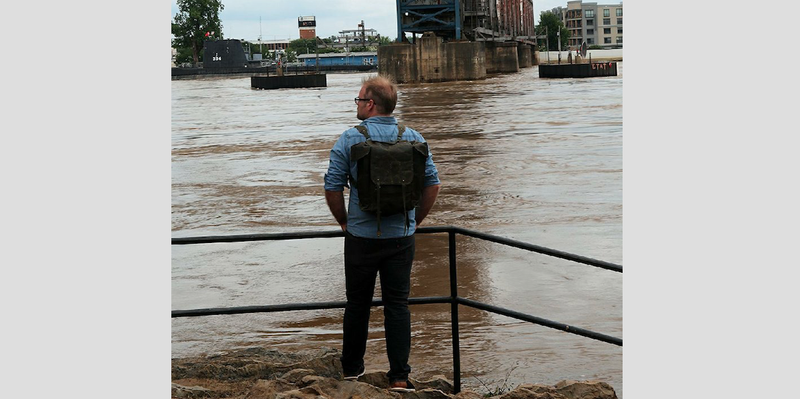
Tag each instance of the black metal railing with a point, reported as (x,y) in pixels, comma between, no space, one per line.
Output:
(454,300)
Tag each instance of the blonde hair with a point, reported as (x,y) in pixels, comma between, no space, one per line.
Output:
(383,91)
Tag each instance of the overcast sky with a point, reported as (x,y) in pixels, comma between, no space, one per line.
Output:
(240,18)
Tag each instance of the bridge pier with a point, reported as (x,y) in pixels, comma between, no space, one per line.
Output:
(501,57)
(524,55)
(431,60)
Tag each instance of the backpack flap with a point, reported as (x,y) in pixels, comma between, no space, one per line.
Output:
(358,151)
(392,164)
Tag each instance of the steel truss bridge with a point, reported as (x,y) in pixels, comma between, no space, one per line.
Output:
(473,20)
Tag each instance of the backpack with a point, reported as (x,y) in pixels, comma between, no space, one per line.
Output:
(390,175)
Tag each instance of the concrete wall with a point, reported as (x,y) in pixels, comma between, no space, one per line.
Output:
(430,60)
(501,57)
(524,56)
(399,61)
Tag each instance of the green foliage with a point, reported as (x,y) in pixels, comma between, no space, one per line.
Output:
(193,20)
(308,46)
(550,24)
(302,46)
(184,55)
(384,40)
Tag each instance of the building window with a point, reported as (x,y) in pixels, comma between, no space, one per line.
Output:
(589,22)
(619,39)
(606,21)
(589,41)
(619,12)
(606,12)
(606,31)
(589,13)
(619,21)
(590,31)
(607,40)
(619,31)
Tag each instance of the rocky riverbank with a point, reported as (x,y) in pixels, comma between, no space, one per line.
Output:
(259,373)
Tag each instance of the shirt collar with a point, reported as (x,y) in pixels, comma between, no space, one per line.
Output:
(384,120)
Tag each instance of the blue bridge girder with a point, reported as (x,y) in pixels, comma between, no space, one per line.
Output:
(420,16)
(467,19)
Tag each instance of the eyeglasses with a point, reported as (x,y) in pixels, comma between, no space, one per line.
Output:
(361,99)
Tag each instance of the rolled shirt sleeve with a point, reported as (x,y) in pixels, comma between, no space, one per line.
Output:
(338,166)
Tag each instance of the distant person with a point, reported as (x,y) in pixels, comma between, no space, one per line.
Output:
(378,238)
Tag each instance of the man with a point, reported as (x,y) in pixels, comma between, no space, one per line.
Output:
(376,244)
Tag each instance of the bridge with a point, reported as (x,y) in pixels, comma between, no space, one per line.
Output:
(473,20)
(459,40)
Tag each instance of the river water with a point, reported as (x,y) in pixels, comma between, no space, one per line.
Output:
(530,159)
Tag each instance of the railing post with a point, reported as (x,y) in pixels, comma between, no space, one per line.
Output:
(454,312)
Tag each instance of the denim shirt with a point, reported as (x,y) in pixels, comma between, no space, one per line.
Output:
(360,223)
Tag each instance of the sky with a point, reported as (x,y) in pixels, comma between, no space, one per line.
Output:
(278,19)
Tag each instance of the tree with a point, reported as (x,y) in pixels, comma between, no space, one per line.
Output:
(194,19)
(550,24)
(384,41)
(302,46)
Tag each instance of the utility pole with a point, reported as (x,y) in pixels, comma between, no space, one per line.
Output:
(547,43)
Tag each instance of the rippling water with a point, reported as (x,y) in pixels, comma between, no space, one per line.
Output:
(530,159)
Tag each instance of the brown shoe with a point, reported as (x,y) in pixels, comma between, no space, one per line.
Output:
(401,386)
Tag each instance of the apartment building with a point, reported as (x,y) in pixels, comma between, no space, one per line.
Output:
(595,24)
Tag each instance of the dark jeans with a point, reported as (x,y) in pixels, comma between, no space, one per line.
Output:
(364,258)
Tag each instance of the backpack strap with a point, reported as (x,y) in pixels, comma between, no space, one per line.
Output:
(400,130)
(363,130)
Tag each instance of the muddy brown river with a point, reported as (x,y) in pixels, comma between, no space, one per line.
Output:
(530,159)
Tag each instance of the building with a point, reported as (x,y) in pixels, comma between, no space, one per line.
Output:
(275,46)
(595,24)
(307,26)
(360,58)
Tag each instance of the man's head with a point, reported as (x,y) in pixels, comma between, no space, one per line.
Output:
(378,97)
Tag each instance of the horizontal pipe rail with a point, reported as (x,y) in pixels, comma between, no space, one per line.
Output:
(256,237)
(539,249)
(538,320)
(296,306)
(421,230)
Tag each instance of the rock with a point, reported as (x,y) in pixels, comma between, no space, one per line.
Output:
(295,376)
(260,373)
(523,393)
(425,394)
(438,382)
(585,390)
(268,389)
(380,380)
(179,391)
(299,394)
(538,387)
(376,378)
(468,395)
(310,379)
(335,389)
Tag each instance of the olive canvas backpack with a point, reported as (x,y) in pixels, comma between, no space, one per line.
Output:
(390,174)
